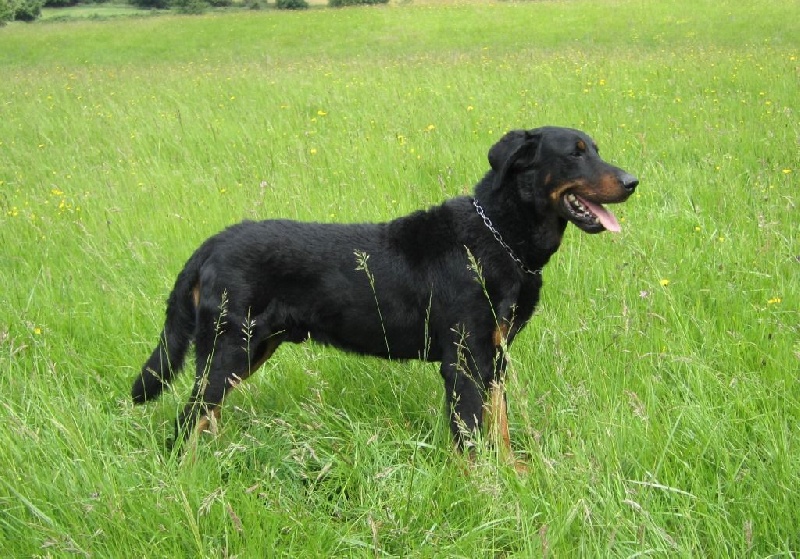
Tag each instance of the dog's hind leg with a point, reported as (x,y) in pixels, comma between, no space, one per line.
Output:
(223,361)
(212,383)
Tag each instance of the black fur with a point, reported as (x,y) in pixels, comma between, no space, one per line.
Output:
(406,289)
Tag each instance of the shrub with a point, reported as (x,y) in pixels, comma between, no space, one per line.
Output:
(291,4)
(193,7)
(7,9)
(342,3)
(28,10)
(157,4)
(59,3)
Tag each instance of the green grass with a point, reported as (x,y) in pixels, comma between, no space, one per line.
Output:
(656,393)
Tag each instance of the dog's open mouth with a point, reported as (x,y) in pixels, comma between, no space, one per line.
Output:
(589,216)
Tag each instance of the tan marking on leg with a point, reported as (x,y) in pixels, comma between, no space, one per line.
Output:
(196,295)
(205,424)
(209,422)
(500,334)
(497,421)
(496,418)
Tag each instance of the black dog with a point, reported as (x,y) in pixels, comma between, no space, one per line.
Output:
(453,284)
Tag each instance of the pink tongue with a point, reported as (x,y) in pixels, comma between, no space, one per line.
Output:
(605,217)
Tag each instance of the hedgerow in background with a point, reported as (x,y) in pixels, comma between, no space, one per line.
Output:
(20,10)
(343,3)
(151,4)
(191,7)
(291,4)
(7,8)
(61,3)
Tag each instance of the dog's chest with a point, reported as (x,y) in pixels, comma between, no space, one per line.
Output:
(527,299)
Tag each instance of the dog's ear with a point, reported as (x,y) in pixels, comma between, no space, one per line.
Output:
(515,151)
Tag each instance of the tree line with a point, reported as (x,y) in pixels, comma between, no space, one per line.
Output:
(30,10)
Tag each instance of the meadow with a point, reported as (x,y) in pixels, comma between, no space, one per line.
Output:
(655,395)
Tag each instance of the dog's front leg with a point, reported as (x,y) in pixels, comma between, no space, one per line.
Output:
(497,431)
(474,379)
(496,416)
(464,401)
(467,373)
(497,409)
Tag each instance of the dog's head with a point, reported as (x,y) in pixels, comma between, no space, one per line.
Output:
(559,170)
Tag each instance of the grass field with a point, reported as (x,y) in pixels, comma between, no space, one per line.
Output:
(656,393)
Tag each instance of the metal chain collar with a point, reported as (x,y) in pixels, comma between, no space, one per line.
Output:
(490,226)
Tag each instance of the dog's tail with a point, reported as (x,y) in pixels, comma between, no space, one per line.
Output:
(179,328)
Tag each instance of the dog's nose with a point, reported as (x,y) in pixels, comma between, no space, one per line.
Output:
(629,182)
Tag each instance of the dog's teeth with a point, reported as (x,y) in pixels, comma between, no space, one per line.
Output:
(575,202)
(580,209)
